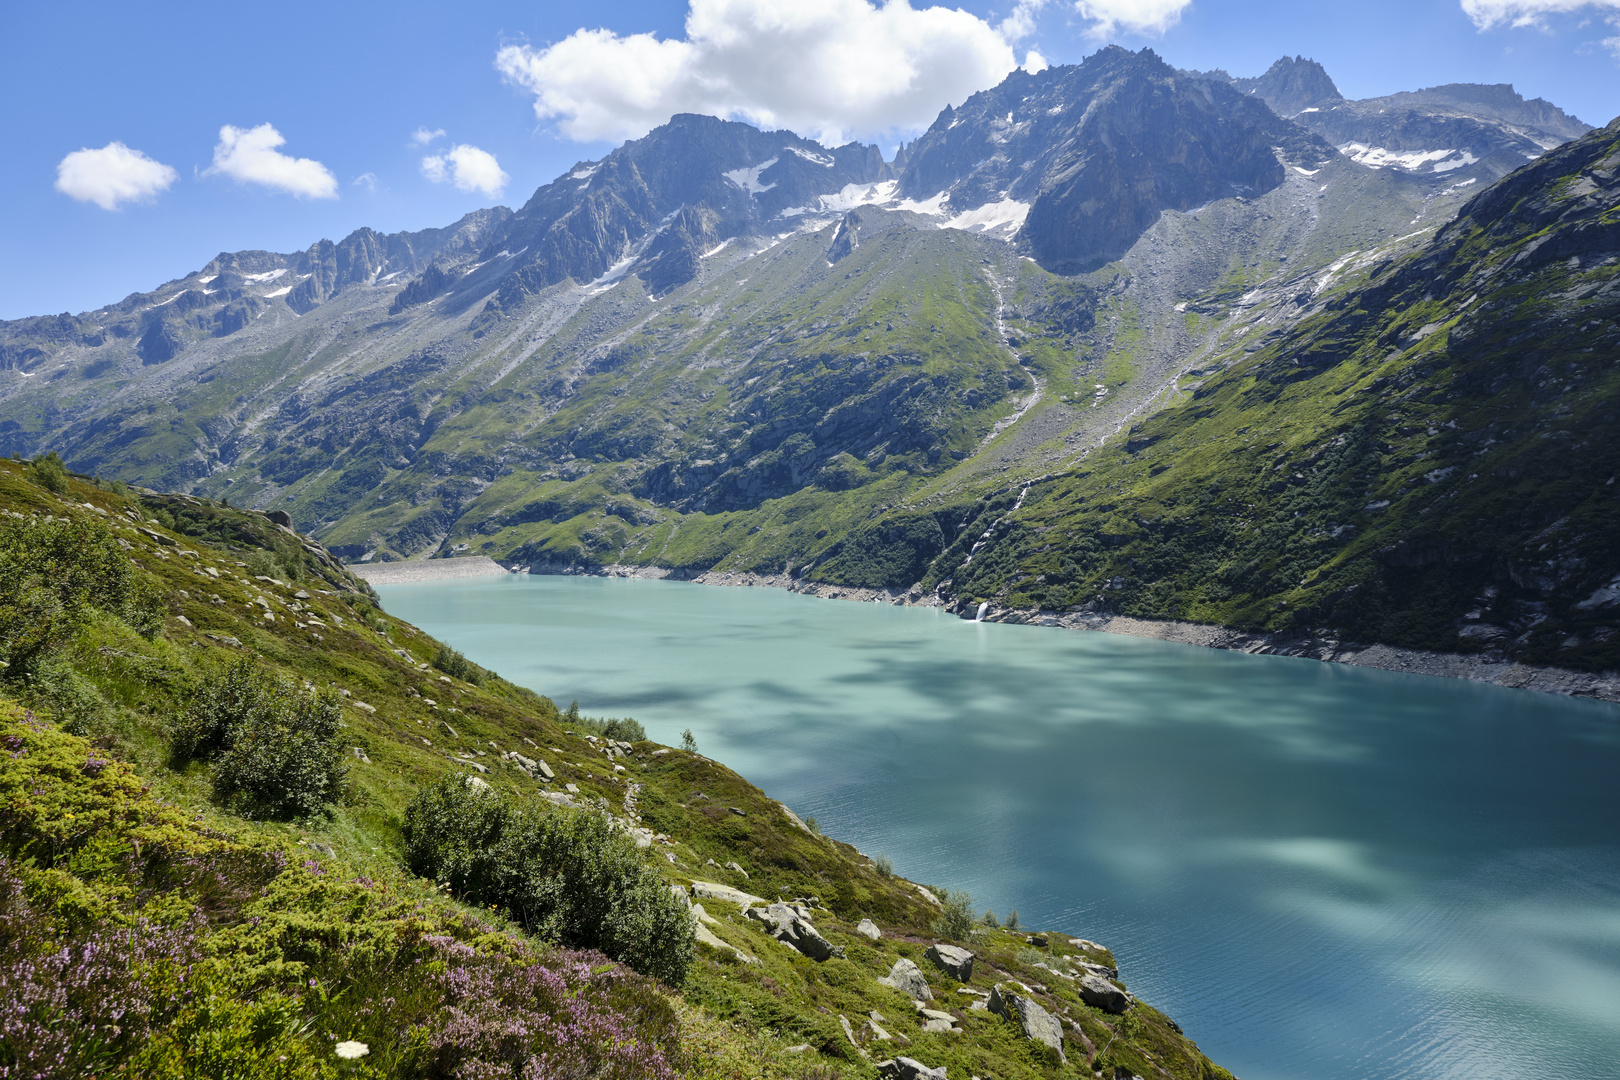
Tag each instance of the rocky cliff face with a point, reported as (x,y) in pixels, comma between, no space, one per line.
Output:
(1093,153)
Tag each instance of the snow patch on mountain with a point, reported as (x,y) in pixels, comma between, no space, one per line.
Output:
(1001,218)
(748,179)
(814,158)
(1379,157)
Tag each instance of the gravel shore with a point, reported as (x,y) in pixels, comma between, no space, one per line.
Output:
(399,573)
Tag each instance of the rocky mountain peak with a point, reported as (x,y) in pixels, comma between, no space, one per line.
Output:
(666,198)
(1087,156)
(1292,85)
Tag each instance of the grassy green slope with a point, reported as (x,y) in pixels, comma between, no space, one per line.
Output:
(1428,460)
(294,935)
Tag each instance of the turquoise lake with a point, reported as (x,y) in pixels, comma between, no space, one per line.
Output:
(1318,871)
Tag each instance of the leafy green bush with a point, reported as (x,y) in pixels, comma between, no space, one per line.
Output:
(52,572)
(568,876)
(274,743)
(452,663)
(274,564)
(622,728)
(49,473)
(956,919)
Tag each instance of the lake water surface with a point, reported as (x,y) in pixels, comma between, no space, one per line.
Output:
(1321,872)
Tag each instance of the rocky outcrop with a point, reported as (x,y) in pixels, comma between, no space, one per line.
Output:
(713,890)
(953,960)
(1036,1023)
(846,239)
(791,926)
(908,978)
(1102,994)
(909,1069)
(869,929)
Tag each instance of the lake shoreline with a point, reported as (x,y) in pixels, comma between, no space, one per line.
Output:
(1604,686)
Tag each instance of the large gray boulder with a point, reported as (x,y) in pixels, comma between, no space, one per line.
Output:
(787,925)
(953,960)
(907,978)
(1035,1022)
(909,1069)
(1102,994)
(713,890)
(869,929)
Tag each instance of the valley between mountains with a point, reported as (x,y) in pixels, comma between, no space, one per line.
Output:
(1113,341)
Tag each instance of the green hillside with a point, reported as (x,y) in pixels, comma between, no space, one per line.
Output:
(221,757)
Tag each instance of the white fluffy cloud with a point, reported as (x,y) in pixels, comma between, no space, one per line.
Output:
(112,175)
(1489,13)
(422,136)
(249,155)
(468,168)
(824,68)
(1021,23)
(1132,16)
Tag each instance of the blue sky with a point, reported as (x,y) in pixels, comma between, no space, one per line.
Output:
(346,86)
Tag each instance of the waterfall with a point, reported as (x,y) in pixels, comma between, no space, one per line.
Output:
(983,607)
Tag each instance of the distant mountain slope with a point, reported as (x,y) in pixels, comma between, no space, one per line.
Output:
(1428,460)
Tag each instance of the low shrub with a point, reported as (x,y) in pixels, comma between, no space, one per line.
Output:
(274,743)
(273,564)
(52,573)
(75,1003)
(567,876)
(956,920)
(49,473)
(566,1016)
(622,728)
(454,664)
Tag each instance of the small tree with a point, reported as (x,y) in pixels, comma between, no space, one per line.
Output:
(956,920)
(274,743)
(49,473)
(688,743)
